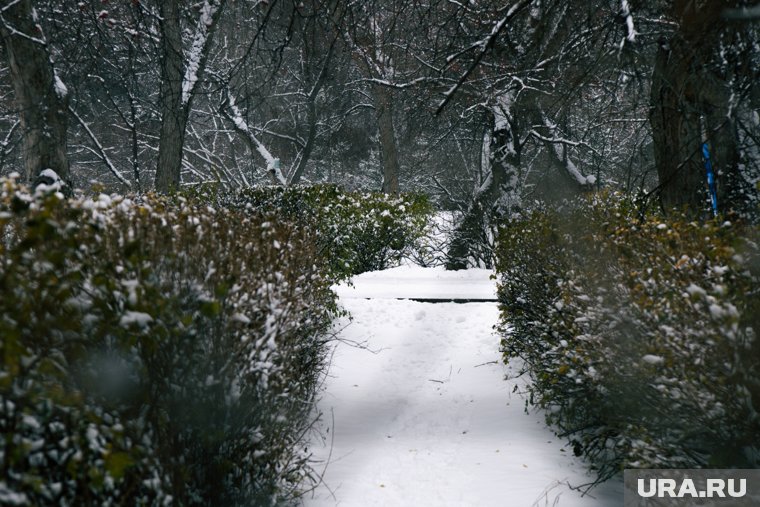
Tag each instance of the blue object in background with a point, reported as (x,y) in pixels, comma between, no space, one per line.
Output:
(710,179)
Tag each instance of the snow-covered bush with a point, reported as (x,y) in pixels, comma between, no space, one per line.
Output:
(357,231)
(639,332)
(155,351)
(432,249)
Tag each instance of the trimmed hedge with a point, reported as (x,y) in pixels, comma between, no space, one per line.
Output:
(356,231)
(639,333)
(155,351)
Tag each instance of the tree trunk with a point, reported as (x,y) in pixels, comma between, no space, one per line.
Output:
(311,137)
(569,181)
(41,97)
(388,150)
(675,120)
(690,100)
(173,113)
(179,81)
(499,195)
(723,141)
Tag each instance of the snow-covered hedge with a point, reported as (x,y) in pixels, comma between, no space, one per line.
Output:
(155,351)
(640,333)
(357,231)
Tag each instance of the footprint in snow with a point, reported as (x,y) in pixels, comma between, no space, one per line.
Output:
(419,315)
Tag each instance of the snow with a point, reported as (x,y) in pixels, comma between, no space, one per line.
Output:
(653,359)
(30,422)
(720,270)
(55,182)
(695,291)
(571,167)
(139,318)
(10,497)
(408,282)
(101,150)
(417,411)
(198,49)
(59,87)
(502,111)
(239,317)
(51,174)
(273,163)
(625,11)
(558,145)
(273,167)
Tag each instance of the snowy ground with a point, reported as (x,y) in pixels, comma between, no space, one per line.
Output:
(414,282)
(422,416)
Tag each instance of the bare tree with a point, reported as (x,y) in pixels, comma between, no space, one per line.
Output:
(40,96)
(372,32)
(181,72)
(513,58)
(696,88)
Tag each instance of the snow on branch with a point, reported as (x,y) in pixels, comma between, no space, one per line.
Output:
(99,149)
(234,114)
(199,48)
(12,30)
(562,140)
(625,11)
(5,144)
(502,110)
(60,89)
(400,86)
(559,149)
(561,153)
(485,45)
(9,5)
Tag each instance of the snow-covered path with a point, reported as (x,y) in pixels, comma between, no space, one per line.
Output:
(422,416)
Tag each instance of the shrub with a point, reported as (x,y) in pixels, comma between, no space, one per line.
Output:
(155,350)
(356,231)
(432,249)
(639,332)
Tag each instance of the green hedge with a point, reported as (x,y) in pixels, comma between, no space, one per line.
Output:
(155,350)
(639,332)
(356,231)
